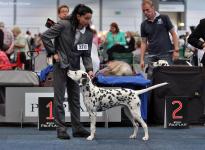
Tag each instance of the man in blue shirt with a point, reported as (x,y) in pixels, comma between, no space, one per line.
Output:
(155,34)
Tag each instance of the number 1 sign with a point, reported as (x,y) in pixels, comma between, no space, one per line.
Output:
(176,112)
(46,119)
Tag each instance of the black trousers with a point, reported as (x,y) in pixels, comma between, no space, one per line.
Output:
(61,83)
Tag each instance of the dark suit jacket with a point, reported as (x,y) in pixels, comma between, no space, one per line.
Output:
(198,33)
(64,35)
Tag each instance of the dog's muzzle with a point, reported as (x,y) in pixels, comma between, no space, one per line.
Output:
(82,82)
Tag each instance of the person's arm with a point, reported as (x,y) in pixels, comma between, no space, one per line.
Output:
(109,40)
(50,34)
(175,40)
(122,39)
(175,43)
(143,45)
(170,28)
(19,45)
(142,51)
(194,38)
(10,50)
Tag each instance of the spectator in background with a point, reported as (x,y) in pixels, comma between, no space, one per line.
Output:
(114,36)
(8,40)
(38,42)
(137,51)
(155,35)
(20,47)
(1,39)
(30,40)
(4,61)
(63,11)
(197,38)
(130,41)
(115,40)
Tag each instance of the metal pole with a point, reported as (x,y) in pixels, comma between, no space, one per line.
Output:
(15,10)
(57,5)
(100,14)
(185,15)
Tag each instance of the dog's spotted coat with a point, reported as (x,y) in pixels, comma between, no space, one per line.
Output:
(99,99)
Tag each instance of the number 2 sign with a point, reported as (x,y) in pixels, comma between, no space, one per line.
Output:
(176,112)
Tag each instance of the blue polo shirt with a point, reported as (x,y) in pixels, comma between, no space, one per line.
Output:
(157,34)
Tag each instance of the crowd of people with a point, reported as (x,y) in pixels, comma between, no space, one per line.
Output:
(15,46)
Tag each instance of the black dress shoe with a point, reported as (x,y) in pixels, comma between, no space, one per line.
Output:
(81,133)
(63,135)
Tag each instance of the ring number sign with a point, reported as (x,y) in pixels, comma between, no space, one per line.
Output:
(176,112)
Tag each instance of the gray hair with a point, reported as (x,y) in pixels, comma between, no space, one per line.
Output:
(149,2)
(1,24)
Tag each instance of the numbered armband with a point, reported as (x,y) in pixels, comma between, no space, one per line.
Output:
(82,47)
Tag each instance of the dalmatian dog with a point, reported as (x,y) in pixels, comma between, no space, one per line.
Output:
(99,99)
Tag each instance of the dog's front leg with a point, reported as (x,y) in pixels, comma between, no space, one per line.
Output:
(92,125)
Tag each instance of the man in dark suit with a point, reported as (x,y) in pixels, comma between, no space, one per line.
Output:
(199,32)
(197,38)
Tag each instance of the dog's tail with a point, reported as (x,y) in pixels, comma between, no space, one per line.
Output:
(151,88)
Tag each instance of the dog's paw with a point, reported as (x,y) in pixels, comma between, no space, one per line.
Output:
(90,138)
(133,136)
(145,138)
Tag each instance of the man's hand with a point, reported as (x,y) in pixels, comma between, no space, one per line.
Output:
(56,57)
(142,65)
(175,55)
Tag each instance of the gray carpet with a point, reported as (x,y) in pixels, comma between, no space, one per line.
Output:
(113,138)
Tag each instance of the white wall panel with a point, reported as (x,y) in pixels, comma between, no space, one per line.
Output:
(127,14)
(33,13)
(6,12)
(195,12)
(34,16)
(173,17)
